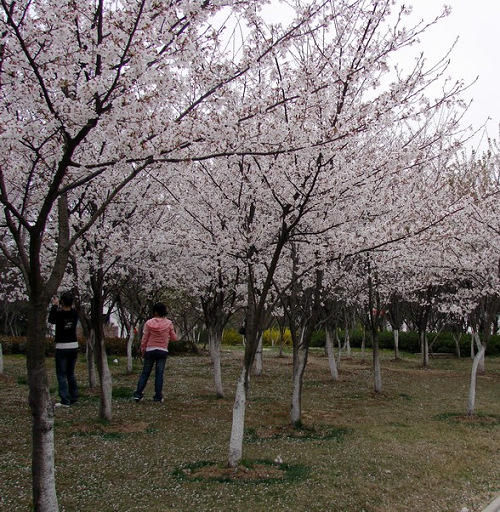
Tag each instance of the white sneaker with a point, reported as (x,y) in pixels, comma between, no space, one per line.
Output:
(60,405)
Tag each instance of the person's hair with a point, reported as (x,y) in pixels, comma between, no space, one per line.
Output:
(67,299)
(160,309)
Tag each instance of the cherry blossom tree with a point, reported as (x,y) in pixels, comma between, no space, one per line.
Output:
(478,257)
(302,307)
(304,130)
(132,307)
(290,196)
(218,306)
(99,93)
(104,258)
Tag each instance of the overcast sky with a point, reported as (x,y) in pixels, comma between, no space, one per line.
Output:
(476,24)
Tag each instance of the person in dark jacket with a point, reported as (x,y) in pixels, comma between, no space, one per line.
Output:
(65,318)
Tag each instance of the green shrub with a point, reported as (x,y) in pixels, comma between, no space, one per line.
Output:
(408,342)
(232,337)
(116,346)
(318,339)
(182,347)
(271,337)
(494,346)
(13,344)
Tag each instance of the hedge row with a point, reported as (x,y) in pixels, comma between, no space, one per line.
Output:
(408,342)
(442,342)
(114,346)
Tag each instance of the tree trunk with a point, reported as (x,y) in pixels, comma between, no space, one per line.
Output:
(130,343)
(337,337)
(347,343)
(479,346)
(42,410)
(88,332)
(377,374)
(101,359)
(363,346)
(481,368)
(456,338)
(214,343)
(282,340)
(238,425)
(299,366)
(396,344)
(106,382)
(424,345)
(258,357)
(471,403)
(253,318)
(1,359)
(330,352)
(90,355)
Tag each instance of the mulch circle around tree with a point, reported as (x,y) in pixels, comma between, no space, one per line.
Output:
(480,419)
(305,433)
(261,471)
(216,472)
(477,420)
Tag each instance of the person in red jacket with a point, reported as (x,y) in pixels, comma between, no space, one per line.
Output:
(158,332)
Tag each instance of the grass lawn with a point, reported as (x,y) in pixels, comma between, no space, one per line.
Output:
(407,449)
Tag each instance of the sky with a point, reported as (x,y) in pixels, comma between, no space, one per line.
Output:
(476,24)
(474,57)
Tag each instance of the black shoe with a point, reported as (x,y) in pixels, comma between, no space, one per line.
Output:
(160,400)
(137,398)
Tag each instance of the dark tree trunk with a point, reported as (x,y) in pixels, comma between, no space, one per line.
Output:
(42,409)
(101,359)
